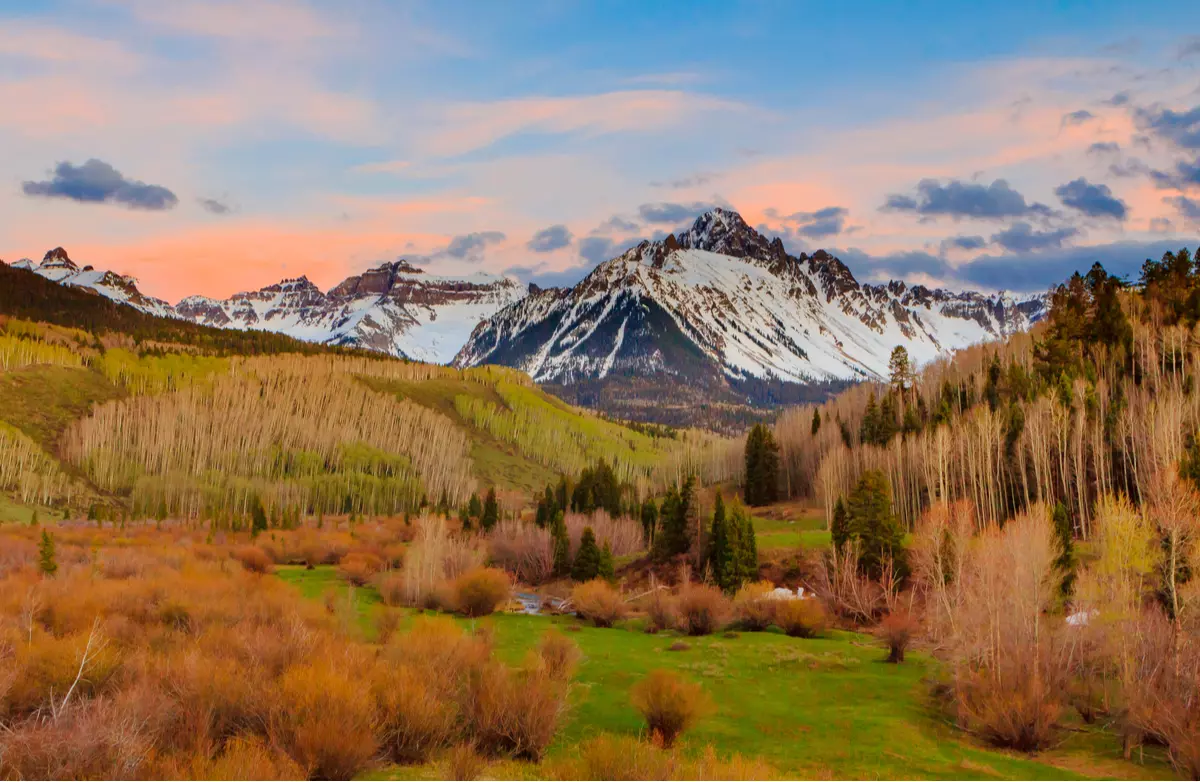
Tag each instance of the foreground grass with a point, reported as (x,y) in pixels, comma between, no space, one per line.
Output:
(816,708)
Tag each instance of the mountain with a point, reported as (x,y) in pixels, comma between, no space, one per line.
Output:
(58,267)
(721,306)
(394,308)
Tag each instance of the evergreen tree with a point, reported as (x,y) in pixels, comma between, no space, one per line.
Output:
(721,554)
(887,420)
(900,369)
(868,431)
(33,520)
(674,536)
(839,527)
(816,421)
(47,563)
(491,511)
(587,559)
(562,546)
(762,467)
(562,494)
(258,518)
(991,388)
(1065,562)
(744,562)
(474,507)
(872,523)
(607,568)
(649,520)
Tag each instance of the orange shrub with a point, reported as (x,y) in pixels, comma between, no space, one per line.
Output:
(463,763)
(661,610)
(896,631)
(559,655)
(247,757)
(753,607)
(323,718)
(414,719)
(253,559)
(597,601)
(703,609)
(358,567)
(481,591)
(390,584)
(669,703)
(800,618)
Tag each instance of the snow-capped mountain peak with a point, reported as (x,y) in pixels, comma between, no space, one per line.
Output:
(57,266)
(719,302)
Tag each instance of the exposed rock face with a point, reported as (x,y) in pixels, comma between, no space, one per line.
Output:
(58,266)
(721,303)
(394,308)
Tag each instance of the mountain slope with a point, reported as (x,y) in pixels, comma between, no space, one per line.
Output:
(720,303)
(56,266)
(394,308)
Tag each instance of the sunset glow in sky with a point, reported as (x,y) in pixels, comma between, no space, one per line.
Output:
(210,147)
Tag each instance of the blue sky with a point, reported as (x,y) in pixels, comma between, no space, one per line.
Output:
(321,138)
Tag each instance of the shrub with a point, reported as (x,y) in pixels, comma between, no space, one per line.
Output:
(525,550)
(800,618)
(703,609)
(480,591)
(462,763)
(253,559)
(896,631)
(323,719)
(413,718)
(669,704)
(247,757)
(391,588)
(598,602)
(559,655)
(386,625)
(624,757)
(514,712)
(661,610)
(358,567)
(753,606)
(679,646)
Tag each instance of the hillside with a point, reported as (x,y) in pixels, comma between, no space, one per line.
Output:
(108,410)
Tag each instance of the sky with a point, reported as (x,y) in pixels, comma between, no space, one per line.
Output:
(209,147)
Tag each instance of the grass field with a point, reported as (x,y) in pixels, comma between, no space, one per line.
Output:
(817,708)
(806,530)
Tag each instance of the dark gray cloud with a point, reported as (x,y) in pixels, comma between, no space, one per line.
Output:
(1181,128)
(1092,200)
(473,244)
(672,213)
(959,199)
(1024,238)
(98,182)
(1189,48)
(550,239)
(1077,117)
(964,243)
(829,221)
(1120,99)
(597,249)
(1131,167)
(1030,272)
(1104,148)
(1185,176)
(214,206)
(616,224)
(1189,208)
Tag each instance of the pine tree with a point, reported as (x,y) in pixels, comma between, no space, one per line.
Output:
(587,559)
(868,431)
(47,563)
(674,536)
(762,467)
(721,554)
(1065,562)
(491,511)
(474,507)
(900,369)
(871,521)
(816,421)
(746,547)
(258,518)
(839,527)
(649,520)
(562,546)
(607,569)
(33,521)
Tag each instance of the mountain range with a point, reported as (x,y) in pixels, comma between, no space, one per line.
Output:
(717,312)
